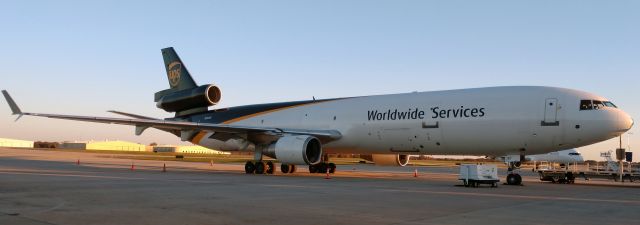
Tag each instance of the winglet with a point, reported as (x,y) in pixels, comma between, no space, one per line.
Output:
(12,104)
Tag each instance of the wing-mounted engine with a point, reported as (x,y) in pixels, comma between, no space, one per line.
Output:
(296,150)
(187,101)
(388,159)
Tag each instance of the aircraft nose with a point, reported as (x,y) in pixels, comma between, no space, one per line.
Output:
(626,122)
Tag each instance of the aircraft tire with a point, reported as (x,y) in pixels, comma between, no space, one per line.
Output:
(249,167)
(285,168)
(518,179)
(313,168)
(260,167)
(292,168)
(270,168)
(514,179)
(332,168)
(322,168)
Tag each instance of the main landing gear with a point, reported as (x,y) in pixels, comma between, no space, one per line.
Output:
(286,168)
(322,167)
(259,167)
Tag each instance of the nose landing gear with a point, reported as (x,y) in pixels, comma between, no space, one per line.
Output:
(514,178)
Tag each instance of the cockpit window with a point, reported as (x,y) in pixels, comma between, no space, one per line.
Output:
(597,105)
(574,153)
(610,104)
(586,105)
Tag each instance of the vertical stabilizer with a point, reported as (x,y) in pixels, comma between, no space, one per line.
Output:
(177,73)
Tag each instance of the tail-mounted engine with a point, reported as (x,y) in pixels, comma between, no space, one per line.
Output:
(189,99)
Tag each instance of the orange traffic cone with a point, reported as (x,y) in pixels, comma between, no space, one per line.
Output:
(327,177)
(164,168)
(78,162)
(415,173)
(133,167)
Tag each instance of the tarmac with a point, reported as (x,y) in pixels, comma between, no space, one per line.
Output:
(51,187)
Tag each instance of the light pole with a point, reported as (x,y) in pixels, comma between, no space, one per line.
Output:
(629,140)
(620,159)
(629,149)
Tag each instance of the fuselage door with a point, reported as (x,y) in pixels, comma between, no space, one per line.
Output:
(433,131)
(551,112)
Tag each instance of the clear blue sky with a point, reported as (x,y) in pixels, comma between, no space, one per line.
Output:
(86,57)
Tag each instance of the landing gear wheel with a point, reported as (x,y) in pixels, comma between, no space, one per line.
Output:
(285,168)
(322,167)
(260,167)
(466,183)
(514,179)
(313,168)
(270,168)
(249,167)
(292,168)
(332,168)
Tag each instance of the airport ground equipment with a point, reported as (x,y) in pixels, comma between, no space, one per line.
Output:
(472,175)
(568,174)
(569,177)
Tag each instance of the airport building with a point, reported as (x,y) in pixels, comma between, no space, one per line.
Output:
(194,149)
(104,145)
(15,143)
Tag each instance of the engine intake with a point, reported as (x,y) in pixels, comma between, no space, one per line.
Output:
(296,150)
(203,96)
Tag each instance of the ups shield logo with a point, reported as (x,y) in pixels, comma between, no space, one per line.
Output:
(174,70)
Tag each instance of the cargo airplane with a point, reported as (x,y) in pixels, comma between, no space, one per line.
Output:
(493,121)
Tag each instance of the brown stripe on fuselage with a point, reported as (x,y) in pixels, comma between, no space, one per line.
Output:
(273,110)
(196,140)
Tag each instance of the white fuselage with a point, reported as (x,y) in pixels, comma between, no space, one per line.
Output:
(483,121)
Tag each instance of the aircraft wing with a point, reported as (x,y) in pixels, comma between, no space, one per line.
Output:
(185,128)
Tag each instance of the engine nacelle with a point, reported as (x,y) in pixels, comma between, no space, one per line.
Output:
(389,160)
(203,96)
(296,150)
